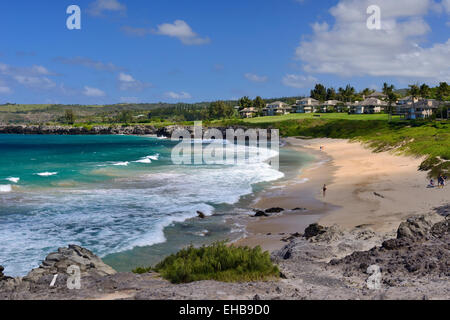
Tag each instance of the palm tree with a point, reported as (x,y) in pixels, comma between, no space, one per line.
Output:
(414,92)
(441,92)
(388,90)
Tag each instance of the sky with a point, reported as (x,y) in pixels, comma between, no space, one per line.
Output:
(203,50)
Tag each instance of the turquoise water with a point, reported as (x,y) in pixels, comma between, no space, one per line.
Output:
(111,194)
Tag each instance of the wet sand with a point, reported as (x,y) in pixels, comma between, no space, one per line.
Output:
(375,190)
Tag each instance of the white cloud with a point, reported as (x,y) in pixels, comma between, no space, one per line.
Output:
(255,78)
(93,92)
(98,7)
(127,82)
(349,48)
(40,70)
(126,78)
(175,95)
(299,81)
(446,4)
(5,90)
(182,31)
(35,82)
(32,77)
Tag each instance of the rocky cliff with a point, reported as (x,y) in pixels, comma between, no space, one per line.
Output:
(325,263)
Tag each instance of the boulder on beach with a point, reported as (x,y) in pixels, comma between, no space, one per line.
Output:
(314,230)
(58,263)
(274,210)
(261,214)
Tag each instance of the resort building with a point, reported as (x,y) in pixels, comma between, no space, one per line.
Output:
(276,108)
(307,105)
(327,105)
(419,110)
(407,101)
(248,112)
(377,95)
(368,106)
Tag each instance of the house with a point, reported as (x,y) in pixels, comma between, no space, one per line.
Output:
(325,107)
(403,102)
(248,112)
(420,110)
(407,100)
(368,106)
(306,105)
(377,95)
(276,108)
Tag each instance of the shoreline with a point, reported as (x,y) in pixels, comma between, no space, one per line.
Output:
(365,189)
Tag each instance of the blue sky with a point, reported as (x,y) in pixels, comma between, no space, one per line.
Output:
(166,50)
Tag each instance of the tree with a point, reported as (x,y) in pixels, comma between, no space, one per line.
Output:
(424,91)
(347,94)
(319,93)
(69,117)
(414,92)
(442,91)
(220,110)
(125,116)
(245,102)
(388,90)
(331,94)
(259,104)
(366,92)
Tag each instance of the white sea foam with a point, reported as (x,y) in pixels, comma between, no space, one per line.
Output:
(46,174)
(121,164)
(148,159)
(154,157)
(13,180)
(144,160)
(5,188)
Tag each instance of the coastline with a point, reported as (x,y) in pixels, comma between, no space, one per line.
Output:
(365,189)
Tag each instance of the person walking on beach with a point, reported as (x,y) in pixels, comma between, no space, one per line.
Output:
(324,189)
(441,182)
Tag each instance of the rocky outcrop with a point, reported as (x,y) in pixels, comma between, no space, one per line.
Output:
(167,131)
(2,276)
(331,264)
(314,230)
(66,130)
(421,250)
(58,263)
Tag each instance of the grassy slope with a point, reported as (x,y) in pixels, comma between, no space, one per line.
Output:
(419,138)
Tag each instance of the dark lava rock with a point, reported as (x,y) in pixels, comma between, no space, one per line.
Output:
(261,214)
(299,209)
(314,230)
(274,210)
(414,228)
(421,249)
(201,215)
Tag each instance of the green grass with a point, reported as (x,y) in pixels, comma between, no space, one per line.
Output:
(417,138)
(216,262)
(328,116)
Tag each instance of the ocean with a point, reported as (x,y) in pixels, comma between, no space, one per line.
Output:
(119,196)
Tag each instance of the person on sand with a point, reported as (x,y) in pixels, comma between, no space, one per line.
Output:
(431,185)
(324,189)
(441,182)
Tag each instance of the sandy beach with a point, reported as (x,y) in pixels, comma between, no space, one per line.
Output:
(374,190)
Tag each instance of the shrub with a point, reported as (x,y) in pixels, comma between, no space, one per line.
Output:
(216,262)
